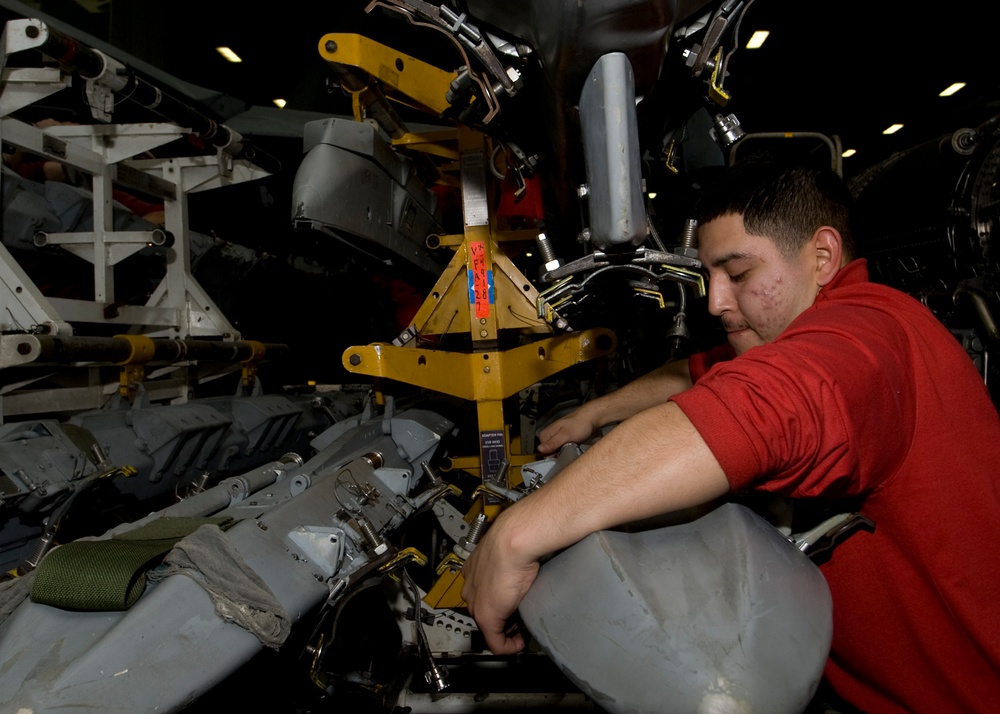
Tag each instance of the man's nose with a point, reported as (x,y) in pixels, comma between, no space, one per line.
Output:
(720,298)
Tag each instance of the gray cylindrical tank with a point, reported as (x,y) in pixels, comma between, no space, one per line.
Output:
(719,615)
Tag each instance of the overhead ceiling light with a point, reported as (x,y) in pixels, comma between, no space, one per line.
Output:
(757,39)
(228,54)
(952,89)
(893,129)
(280,103)
(849,153)
(651,194)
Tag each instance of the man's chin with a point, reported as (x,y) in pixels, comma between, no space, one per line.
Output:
(742,340)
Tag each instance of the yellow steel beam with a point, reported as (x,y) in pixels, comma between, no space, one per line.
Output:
(437,143)
(480,376)
(412,81)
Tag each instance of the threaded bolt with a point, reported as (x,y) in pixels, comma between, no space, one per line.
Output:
(367,530)
(476,529)
(689,239)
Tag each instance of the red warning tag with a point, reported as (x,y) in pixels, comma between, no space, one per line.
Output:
(480,279)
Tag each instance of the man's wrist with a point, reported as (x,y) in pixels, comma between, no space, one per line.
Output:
(517,530)
(591,413)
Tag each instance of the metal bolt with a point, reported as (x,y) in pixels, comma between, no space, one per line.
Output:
(478,527)
(486,370)
(331,46)
(482,320)
(367,530)
(31,31)
(483,333)
(429,472)
(355,360)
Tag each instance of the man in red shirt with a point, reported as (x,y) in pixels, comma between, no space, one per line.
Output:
(835,388)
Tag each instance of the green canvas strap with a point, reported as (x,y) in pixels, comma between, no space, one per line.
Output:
(109,574)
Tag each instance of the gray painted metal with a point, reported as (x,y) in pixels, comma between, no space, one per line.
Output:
(172,447)
(719,615)
(389,213)
(611,147)
(171,647)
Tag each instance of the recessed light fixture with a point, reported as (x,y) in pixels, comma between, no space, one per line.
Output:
(952,89)
(757,39)
(651,194)
(228,54)
(849,153)
(893,129)
(280,103)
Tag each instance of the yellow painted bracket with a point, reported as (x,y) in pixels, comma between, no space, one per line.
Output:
(715,91)
(413,82)
(133,370)
(257,351)
(480,376)
(407,555)
(447,589)
(439,143)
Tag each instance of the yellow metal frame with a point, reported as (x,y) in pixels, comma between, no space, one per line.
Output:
(480,293)
(412,82)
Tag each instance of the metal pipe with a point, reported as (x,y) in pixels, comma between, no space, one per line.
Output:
(981,305)
(94,65)
(218,497)
(122,349)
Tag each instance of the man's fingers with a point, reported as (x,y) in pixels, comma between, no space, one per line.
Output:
(552,437)
(547,447)
(502,641)
(510,645)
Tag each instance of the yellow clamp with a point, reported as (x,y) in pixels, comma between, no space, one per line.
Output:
(447,590)
(257,352)
(715,91)
(449,563)
(133,367)
(123,471)
(403,557)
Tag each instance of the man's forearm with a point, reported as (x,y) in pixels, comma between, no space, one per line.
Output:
(647,391)
(653,463)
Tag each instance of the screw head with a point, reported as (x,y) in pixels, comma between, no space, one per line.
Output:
(331,46)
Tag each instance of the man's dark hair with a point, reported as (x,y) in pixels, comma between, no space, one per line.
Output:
(783,203)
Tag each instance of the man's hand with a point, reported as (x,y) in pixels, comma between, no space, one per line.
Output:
(495,581)
(573,428)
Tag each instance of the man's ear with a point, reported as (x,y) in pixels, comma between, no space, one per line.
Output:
(827,244)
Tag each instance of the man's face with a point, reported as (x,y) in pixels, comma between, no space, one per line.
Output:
(753,288)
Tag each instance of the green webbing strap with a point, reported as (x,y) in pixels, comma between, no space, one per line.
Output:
(109,574)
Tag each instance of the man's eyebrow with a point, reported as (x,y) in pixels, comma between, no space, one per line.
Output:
(723,259)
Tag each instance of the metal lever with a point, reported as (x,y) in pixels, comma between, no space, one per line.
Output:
(828,533)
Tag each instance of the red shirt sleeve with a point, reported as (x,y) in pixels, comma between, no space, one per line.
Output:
(815,412)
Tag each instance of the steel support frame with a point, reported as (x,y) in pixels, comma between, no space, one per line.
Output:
(179,307)
(480,292)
